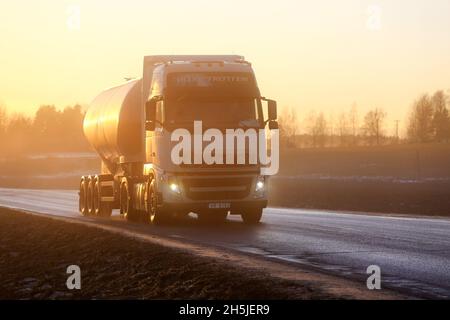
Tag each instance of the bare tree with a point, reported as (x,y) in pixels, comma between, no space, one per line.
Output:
(46,121)
(344,128)
(49,130)
(373,125)
(330,133)
(3,125)
(420,126)
(3,119)
(317,129)
(288,122)
(441,119)
(354,122)
(19,130)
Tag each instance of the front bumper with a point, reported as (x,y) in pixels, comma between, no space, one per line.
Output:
(236,207)
(197,193)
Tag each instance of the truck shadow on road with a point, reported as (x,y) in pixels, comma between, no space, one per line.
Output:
(191,228)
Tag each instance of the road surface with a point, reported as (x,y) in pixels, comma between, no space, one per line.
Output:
(413,253)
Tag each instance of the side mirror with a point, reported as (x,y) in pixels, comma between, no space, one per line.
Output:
(272,109)
(273,125)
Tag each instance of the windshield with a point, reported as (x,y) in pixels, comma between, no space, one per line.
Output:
(214,113)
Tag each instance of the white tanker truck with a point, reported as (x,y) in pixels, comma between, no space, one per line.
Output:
(132,128)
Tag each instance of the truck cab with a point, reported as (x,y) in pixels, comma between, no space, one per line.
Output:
(204,125)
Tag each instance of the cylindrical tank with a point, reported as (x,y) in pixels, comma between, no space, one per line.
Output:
(114,124)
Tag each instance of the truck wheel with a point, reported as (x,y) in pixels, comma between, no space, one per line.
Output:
(90,197)
(126,203)
(101,209)
(252,216)
(82,202)
(96,198)
(155,215)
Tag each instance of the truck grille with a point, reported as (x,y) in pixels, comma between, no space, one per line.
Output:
(212,188)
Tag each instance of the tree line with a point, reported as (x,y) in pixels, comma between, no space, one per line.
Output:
(48,130)
(53,130)
(428,121)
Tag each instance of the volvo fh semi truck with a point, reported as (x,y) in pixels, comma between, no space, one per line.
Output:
(137,128)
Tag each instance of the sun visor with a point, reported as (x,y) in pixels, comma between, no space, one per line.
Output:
(211,84)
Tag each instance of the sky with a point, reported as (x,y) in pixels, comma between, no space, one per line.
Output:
(321,55)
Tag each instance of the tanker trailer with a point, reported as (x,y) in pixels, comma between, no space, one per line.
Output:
(153,135)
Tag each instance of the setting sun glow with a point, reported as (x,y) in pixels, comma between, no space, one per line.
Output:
(311,55)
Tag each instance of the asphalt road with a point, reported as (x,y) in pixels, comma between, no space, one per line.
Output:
(413,253)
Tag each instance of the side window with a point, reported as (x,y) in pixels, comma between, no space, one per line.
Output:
(160,112)
(157,84)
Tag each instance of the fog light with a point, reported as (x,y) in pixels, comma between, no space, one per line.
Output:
(175,188)
(259,184)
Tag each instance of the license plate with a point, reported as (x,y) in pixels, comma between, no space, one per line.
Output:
(220,205)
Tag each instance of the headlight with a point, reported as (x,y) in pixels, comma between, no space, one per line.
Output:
(260,184)
(175,188)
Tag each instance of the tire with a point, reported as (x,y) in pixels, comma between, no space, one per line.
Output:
(90,197)
(252,216)
(126,203)
(154,214)
(101,209)
(82,201)
(213,217)
(96,201)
